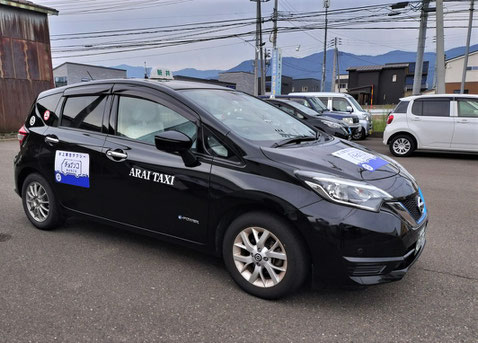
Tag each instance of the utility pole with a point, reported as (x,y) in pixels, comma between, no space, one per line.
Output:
(259,56)
(422,33)
(322,85)
(275,16)
(468,38)
(335,73)
(440,48)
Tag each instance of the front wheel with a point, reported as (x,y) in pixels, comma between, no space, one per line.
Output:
(359,134)
(402,146)
(264,256)
(39,203)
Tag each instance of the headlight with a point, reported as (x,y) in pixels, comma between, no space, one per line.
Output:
(332,124)
(347,192)
(348,121)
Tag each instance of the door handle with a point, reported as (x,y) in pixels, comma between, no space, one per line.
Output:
(51,140)
(116,155)
(462,121)
(416,118)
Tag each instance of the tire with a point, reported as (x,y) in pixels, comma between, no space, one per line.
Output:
(402,145)
(359,135)
(241,250)
(39,203)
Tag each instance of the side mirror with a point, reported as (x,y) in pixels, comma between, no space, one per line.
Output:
(175,141)
(350,109)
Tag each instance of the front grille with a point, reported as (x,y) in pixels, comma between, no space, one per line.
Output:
(411,205)
(356,120)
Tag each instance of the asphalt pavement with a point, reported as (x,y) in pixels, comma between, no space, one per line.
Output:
(88,282)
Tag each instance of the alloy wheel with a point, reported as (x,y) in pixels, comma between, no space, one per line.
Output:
(37,201)
(260,257)
(401,146)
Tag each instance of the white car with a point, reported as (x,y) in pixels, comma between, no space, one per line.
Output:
(345,103)
(433,122)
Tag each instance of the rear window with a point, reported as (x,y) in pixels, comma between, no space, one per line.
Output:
(435,107)
(401,107)
(84,112)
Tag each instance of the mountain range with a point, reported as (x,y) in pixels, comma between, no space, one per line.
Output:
(311,66)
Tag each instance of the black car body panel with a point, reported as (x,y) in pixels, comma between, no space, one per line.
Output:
(196,208)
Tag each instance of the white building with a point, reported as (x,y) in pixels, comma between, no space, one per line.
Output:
(342,83)
(454,70)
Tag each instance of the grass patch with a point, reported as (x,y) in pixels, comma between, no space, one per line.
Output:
(379,122)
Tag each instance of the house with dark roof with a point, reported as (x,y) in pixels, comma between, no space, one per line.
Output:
(25,59)
(383,84)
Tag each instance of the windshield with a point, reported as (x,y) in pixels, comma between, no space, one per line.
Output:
(302,108)
(319,105)
(356,104)
(247,116)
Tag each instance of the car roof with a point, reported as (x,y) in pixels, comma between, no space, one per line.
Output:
(343,95)
(161,84)
(413,97)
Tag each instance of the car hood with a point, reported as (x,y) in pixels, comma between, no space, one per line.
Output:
(338,114)
(337,157)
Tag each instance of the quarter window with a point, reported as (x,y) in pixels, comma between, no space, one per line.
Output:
(142,119)
(467,108)
(49,103)
(431,107)
(401,107)
(84,112)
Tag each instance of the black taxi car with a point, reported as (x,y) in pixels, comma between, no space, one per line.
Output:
(224,172)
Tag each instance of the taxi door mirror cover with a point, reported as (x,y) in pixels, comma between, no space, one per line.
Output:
(175,141)
(350,109)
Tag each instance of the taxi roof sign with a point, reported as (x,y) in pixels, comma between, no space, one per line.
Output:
(158,73)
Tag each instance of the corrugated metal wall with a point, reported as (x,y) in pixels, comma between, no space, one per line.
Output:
(25,63)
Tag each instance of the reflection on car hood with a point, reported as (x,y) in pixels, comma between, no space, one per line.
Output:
(319,157)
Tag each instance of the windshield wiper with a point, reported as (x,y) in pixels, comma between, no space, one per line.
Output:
(295,140)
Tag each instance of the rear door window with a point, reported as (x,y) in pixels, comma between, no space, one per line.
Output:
(401,107)
(468,108)
(84,112)
(339,104)
(433,107)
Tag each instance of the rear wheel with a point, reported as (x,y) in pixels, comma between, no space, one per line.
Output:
(39,203)
(264,256)
(402,145)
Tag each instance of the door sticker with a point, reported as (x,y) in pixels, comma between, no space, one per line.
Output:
(72,168)
(361,158)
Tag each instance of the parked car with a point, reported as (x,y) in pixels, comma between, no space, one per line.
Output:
(346,103)
(309,116)
(433,122)
(222,172)
(314,103)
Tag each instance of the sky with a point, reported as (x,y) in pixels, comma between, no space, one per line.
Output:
(225,54)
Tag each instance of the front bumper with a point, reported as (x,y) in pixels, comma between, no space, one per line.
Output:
(371,271)
(358,247)
(367,126)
